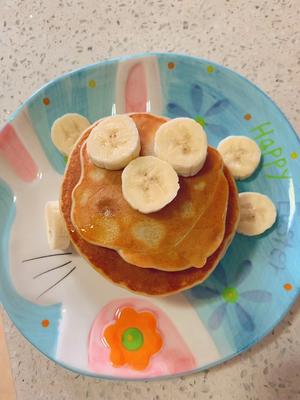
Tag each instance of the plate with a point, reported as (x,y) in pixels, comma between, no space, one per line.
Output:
(63,307)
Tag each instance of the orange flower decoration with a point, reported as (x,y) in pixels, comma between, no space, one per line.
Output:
(133,339)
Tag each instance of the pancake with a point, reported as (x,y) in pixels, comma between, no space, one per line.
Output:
(165,239)
(194,249)
(145,281)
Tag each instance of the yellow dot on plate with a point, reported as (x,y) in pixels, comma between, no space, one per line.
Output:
(92,83)
(210,69)
(294,155)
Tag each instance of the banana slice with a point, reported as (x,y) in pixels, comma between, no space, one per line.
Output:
(257,213)
(183,143)
(66,130)
(57,234)
(149,184)
(240,154)
(114,142)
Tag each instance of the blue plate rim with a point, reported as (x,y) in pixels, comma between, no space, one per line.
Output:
(122,58)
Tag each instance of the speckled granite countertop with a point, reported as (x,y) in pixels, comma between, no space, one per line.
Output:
(41,39)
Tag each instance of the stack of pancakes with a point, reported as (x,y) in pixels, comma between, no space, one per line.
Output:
(160,253)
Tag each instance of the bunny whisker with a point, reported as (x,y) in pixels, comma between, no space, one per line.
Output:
(49,255)
(55,284)
(52,269)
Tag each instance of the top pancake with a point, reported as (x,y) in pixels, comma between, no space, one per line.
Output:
(141,280)
(163,239)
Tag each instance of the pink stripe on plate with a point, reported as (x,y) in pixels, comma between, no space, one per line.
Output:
(136,90)
(16,154)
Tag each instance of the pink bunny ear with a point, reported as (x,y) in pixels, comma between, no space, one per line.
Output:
(16,154)
(136,89)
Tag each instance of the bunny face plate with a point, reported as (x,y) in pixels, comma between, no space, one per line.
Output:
(72,315)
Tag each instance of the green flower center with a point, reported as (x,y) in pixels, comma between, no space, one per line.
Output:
(132,339)
(200,120)
(230,295)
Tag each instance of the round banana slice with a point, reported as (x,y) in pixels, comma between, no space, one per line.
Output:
(57,233)
(182,142)
(66,130)
(240,154)
(257,213)
(149,184)
(114,142)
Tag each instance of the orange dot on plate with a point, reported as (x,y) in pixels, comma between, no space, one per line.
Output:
(288,286)
(171,65)
(294,155)
(46,101)
(45,323)
(247,117)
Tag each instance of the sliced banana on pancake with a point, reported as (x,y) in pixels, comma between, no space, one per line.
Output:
(240,154)
(66,130)
(183,143)
(57,234)
(257,213)
(149,184)
(114,142)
